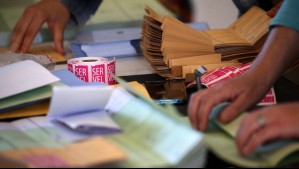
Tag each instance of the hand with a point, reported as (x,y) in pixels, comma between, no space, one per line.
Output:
(268,124)
(51,11)
(272,12)
(243,92)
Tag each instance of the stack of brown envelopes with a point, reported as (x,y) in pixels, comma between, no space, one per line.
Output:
(174,49)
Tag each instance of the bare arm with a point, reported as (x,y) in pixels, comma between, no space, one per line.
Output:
(280,50)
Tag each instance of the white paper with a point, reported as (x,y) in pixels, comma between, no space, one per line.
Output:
(97,122)
(83,109)
(77,100)
(119,98)
(23,76)
(110,49)
(110,35)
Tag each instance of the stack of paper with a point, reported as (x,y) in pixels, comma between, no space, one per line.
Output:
(81,154)
(107,43)
(24,83)
(111,43)
(172,47)
(152,136)
(244,38)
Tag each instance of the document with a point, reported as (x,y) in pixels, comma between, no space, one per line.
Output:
(221,141)
(107,43)
(83,109)
(27,98)
(153,136)
(81,154)
(23,76)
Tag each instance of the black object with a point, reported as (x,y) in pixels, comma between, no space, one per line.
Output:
(167,91)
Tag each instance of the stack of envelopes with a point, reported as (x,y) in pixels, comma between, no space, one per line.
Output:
(175,49)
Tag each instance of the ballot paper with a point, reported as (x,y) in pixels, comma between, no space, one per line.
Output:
(153,136)
(107,43)
(147,133)
(83,109)
(22,77)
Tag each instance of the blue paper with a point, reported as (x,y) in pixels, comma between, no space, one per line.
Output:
(68,78)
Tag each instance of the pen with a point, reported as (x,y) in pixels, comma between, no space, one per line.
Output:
(198,73)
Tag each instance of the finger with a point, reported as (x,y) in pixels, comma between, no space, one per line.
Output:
(248,127)
(204,112)
(32,31)
(269,133)
(207,103)
(58,38)
(192,114)
(20,30)
(193,108)
(235,108)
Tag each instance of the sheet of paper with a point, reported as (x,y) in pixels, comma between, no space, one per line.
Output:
(110,49)
(36,109)
(27,98)
(73,155)
(109,35)
(36,132)
(78,100)
(148,134)
(93,123)
(68,78)
(24,134)
(84,110)
(23,76)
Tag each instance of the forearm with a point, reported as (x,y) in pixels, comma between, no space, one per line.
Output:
(279,52)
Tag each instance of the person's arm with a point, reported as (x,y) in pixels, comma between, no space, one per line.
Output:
(280,50)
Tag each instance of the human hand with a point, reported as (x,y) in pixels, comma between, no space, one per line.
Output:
(272,12)
(51,11)
(243,92)
(268,124)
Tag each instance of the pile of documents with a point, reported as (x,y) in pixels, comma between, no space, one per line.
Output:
(173,48)
(121,42)
(107,43)
(134,131)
